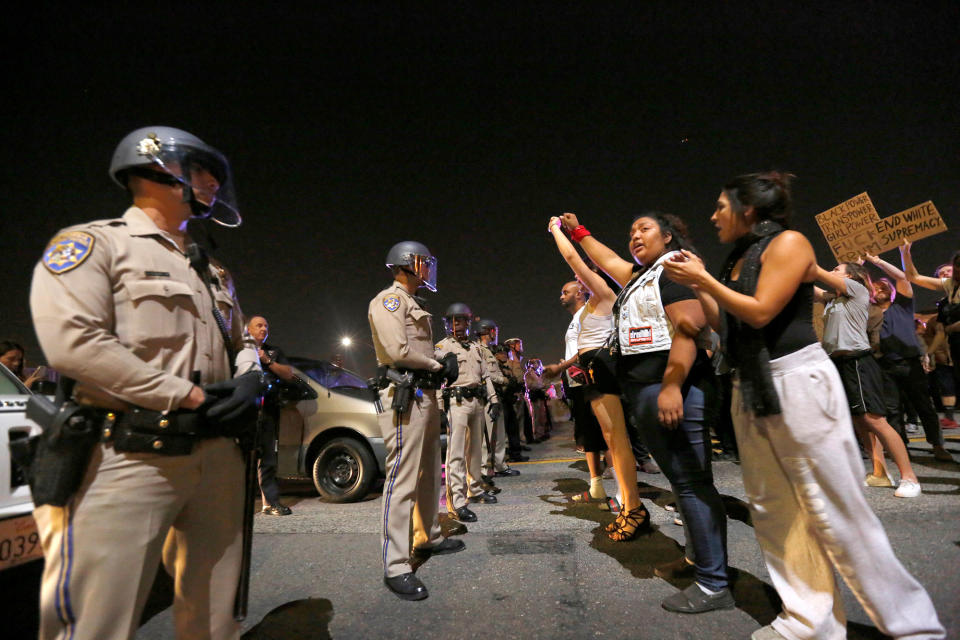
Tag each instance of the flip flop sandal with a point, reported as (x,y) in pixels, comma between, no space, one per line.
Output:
(611,505)
(585,497)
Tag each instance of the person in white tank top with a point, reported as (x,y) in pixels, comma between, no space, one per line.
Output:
(596,326)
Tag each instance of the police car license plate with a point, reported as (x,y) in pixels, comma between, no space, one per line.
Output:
(19,541)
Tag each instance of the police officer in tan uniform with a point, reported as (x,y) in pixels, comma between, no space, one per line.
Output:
(495,464)
(519,368)
(508,394)
(464,400)
(118,307)
(408,378)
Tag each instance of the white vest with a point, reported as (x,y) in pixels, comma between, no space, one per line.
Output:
(643,324)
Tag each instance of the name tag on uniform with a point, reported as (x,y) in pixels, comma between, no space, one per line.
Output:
(640,335)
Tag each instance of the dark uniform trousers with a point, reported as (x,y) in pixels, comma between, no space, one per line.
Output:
(267,464)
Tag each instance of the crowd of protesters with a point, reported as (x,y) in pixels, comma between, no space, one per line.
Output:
(799,398)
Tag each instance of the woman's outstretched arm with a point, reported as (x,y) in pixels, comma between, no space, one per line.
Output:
(911,270)
(602,255)
(603,294)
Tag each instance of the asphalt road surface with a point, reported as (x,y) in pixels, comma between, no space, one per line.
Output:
(538,566)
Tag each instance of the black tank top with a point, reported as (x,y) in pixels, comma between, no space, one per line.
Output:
(792,328)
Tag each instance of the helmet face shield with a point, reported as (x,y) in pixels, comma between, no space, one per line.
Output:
(457,326)
(415,258)
(204,173)
(184,159)
(425,268)
(486,327)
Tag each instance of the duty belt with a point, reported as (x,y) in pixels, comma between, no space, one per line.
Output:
(465,393)
(422,379)
(145,431)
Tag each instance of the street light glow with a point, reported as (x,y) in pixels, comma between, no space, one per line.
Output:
(346,341)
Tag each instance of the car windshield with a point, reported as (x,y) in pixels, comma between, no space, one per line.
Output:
(331,377)
(10,385)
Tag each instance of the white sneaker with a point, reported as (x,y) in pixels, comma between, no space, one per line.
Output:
(908,489)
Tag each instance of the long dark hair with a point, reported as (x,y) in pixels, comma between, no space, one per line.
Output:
(672,224)
(768,193)
(860,274)
(7,346)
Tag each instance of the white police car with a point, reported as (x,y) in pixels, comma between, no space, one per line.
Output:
(19,542)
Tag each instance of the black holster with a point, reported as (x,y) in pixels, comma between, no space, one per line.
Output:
(406,382)
(55,461)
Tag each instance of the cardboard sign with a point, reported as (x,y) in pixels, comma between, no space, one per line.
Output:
(850,228)
(913,224)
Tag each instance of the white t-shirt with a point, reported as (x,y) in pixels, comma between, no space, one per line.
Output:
(571,338)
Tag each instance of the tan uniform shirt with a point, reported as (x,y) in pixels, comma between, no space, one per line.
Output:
(508,373)
(492,365)
(117,306)
(469,360)
(402,335)
(516,367)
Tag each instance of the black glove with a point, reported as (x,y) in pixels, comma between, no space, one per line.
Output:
(451,370)
(494,409)
(233,398)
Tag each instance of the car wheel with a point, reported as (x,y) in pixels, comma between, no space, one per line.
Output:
(344,470)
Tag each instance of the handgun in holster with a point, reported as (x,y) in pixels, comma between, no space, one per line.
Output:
(55,460)
(402,389)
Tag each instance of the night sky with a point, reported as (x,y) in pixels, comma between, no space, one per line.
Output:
(351,126)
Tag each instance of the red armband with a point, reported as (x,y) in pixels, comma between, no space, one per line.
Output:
(579,233)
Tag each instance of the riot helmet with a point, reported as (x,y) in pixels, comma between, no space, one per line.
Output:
(515,345)
(175,157)
(454,311)
(415,258)
(487,327)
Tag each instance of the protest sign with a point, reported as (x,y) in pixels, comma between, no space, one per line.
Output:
(850,228)
(913,224)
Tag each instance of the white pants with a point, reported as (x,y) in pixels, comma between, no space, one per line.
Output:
(803,476)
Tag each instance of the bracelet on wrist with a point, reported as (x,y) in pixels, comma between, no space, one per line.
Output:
(579,233)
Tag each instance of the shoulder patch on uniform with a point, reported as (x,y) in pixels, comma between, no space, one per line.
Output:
(67,251)
(391,302)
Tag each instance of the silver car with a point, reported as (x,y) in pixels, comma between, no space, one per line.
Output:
(328,431)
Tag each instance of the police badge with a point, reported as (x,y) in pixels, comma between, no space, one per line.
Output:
(67,251)
(391,302)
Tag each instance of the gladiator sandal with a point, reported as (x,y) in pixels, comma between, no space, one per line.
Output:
(633,522)
(616,524)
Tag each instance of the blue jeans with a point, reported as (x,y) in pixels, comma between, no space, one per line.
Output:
(684,457)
